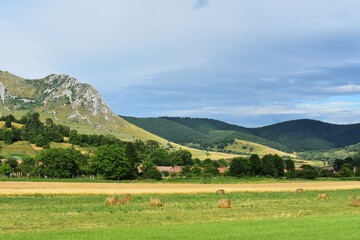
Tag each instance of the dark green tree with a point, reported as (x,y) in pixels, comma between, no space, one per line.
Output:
(181,157)
(149,171)
(110,161)
(289,165)
(160,157)
(268,165)
(8,123)
(240,167)
(8,136)
(256,164)
(279,166)
(59,163)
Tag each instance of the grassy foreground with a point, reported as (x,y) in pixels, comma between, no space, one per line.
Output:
(286,215)
(294,229)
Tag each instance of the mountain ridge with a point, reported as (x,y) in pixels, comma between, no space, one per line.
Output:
(293,135)
(80,106)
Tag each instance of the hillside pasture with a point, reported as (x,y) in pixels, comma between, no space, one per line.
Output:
(246,147)
(20,148)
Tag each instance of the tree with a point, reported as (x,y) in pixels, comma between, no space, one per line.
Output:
(131,154)
(149,171)
(279,166)
(268,165)
(8,123)
(59,163)
(338,164)
(308,174)
(181,157)
(256,164)
(289,165)
(27,166)
(13,163)
(240,167)
(111,162)
(346,170)
(5,169)
(210,168)
(8,136)
(151,145)
(160,157)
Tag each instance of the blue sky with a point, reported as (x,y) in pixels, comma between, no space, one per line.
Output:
(246,62)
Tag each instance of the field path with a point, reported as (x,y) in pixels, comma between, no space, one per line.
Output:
(29,188)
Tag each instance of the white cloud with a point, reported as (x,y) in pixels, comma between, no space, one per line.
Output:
(345,89)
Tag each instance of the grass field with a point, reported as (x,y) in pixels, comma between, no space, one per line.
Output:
(268,215)
(21,148)
(255,148)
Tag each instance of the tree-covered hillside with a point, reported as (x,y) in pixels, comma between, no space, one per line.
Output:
(200,132)
(297,135)
(305,135)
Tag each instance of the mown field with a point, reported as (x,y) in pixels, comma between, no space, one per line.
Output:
(254,215)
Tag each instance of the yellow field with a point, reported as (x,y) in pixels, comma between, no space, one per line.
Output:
(15,125)
(53,188)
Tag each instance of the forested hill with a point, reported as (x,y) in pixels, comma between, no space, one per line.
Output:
(297,135)
(308,134)
(201,132)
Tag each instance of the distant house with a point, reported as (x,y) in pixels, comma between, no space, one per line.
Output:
(169,169)
(329,168)
(223,169)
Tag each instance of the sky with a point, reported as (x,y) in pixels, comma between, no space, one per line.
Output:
(246,62)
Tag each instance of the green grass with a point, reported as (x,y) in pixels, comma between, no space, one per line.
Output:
(280,229)
(193,216)
(21,148)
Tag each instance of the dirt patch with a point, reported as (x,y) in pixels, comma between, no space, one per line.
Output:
(24,188)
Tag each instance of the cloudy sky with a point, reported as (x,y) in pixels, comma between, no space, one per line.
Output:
(248,62)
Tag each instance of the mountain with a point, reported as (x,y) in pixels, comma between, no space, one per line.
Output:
(200,132)
(67,101)
(306,134)
(297,135)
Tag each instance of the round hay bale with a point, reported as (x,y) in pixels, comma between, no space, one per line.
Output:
(129,197)
(300,190)
(323,196)
(220,192)
(156,202)
(355,202)
(224,203)
(111,201)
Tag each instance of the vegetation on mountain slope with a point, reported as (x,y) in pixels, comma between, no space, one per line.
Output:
(297,135)
(199,132)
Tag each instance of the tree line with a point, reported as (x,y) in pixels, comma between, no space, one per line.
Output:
(110,158)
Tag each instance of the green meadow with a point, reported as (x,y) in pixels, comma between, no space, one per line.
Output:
(280,215)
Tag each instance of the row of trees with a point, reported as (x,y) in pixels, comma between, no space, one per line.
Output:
(33,130)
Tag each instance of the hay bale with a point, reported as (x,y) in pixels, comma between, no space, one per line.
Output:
(323,196)
(129,197)
(111,201)
(224,203)
(156,202)
(220,192)
(300,190)
(114,201)
(355,202)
